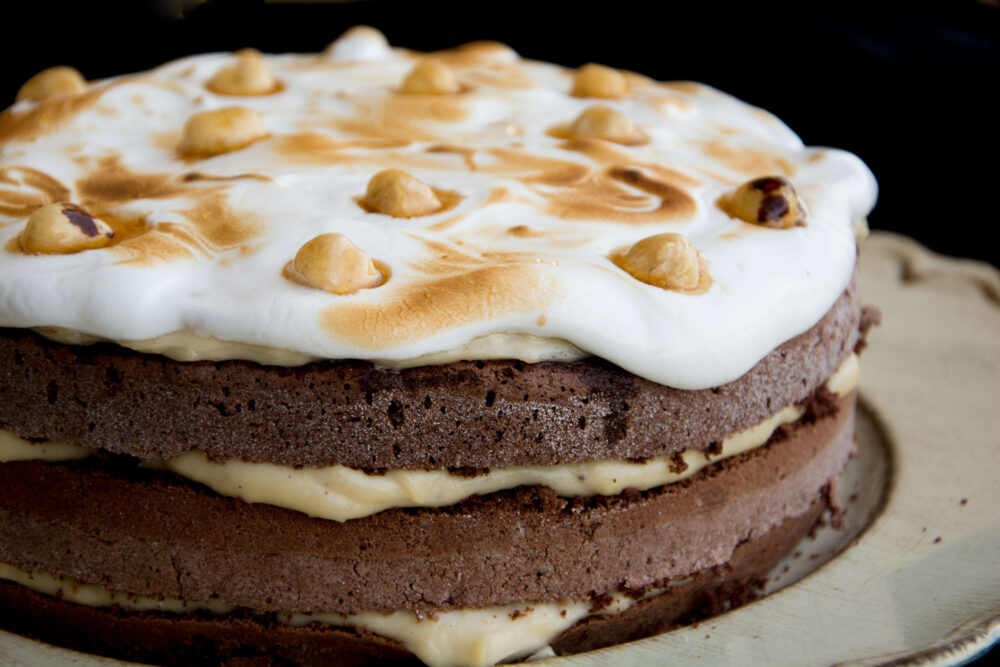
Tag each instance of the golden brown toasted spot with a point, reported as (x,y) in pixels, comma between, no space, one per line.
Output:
(770,201)
(316,148)
(165,242)
(49,115)
(220,131)
(63,228)
(476,53)
(467,153)
(523,232)
(395,192)
(219,227)
(52,82)
(593,80)
(402,117)
(249,75)
(601,196)
(330,262)
(109,183)
(666,260)
(28,190)
(430,77)
(420,309)
(689,87)
(748,160)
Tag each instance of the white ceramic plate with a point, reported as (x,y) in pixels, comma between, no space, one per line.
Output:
(914,579)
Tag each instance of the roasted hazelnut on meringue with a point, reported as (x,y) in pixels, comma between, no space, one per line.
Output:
(63,228)
(666,260)
(395,192)
(601,122)
(430,77)
(219,131)
(330,262)
(52,82)
(594,80)
(770,201)
(249,75)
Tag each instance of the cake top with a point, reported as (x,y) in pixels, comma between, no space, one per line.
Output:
(376,203)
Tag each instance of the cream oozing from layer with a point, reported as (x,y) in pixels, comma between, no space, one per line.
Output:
(340,493)
(459,638)
(187,346)
(521,249)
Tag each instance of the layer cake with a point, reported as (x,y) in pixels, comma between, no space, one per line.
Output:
(374,355)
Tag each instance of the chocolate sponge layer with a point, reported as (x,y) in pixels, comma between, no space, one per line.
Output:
(244,639)
(150,533)
(463,415)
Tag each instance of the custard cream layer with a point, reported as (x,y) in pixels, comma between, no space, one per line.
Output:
(522,247)
(460,638)
(340,493)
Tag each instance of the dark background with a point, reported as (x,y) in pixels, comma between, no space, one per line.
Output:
(906,85)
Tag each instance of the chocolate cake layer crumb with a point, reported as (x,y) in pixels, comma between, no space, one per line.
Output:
(151,533)
(469,414)
(245,639)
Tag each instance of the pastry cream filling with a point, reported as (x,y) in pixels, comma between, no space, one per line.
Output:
(340,493)
(467,637)
(189,346)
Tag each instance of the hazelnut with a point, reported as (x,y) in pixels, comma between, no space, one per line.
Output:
(603,122)
(430,77)
(63,228)
(249,75)
(665,260)
(770,201)
(397,193)
(593,80)
(213,132)
(330,262)
(52,82)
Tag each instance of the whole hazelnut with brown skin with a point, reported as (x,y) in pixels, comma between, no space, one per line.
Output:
(63,228)
(770,201)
